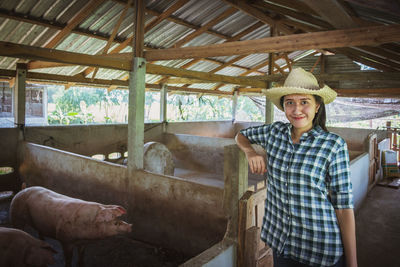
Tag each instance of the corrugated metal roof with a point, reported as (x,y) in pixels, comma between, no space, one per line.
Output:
(166,34)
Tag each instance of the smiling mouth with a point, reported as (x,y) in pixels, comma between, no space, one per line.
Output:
(298,118)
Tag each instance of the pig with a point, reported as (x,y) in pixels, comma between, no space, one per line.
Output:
(68,220)
(20,249)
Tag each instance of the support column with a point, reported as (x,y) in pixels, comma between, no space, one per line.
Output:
(234,105)
(269,107)
(20,95)
(163,103)
(236,184)
(137,83)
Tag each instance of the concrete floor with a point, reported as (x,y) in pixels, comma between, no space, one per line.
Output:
(378,228)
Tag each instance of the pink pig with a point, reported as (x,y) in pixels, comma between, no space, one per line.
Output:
(20,249)
(66,219)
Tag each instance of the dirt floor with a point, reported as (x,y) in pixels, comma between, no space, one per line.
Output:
(378,228)
(119,251)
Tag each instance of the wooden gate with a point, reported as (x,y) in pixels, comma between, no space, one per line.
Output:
(252,251)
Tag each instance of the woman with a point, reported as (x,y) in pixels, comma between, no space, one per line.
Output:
(309,219)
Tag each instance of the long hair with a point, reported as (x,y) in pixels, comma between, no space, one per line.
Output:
(320,116)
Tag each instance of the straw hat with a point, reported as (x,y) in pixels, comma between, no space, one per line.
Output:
(300,81)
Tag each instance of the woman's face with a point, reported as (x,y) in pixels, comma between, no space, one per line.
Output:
(300,110)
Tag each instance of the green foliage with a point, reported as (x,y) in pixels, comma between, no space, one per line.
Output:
(194,108)
(71,106)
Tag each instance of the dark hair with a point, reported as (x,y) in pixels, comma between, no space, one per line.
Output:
(320,116)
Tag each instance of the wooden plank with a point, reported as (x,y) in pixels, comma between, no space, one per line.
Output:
(375,35)
(138,42)
(37,53)
(78,18)
(242,226)
(258,14)
(205,27)
(108,61)
(333,12)
(177,5)
(251,247)
(266,260)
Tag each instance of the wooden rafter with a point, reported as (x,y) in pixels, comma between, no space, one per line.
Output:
(332,12)
(256,13)
(317,40)
(226,64)
(164,15)
(78,18)
(207,26)
(112,37)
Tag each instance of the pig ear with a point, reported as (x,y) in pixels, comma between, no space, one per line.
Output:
(121,209)
(117,209)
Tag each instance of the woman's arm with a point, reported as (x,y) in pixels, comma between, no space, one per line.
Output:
(347,226)
(256,161)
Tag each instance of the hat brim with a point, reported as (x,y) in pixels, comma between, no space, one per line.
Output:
(275,94)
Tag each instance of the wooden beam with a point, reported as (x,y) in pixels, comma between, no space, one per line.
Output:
(207,26)
(36,53)
(290,13)
(81,81)
(113,34)
(258,14)
(332,12)
(29,52)
(161,70)
(78,18)
(336,77)
(138,43)
(317,40)
(177,5)
(367,92)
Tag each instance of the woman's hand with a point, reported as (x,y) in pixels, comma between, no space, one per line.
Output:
(256,162)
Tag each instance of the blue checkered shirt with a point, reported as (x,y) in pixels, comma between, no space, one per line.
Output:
(306,183)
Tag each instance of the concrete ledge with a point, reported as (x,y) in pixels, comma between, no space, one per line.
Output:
(221,254)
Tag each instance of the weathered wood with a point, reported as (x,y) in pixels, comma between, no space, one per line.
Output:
(30,52)
(78,18)
(19,94)
(242,227)
(236,183)
(177,5)
(333,12)
(161,70)
(251,247)
(138,33)
(205,27)
(375,35)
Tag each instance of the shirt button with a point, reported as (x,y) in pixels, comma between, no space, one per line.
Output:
(286,184)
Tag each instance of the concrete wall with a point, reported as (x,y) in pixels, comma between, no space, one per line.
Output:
(223,129)
(88,139)
(197,152)
(359,178)
(164,211)
(8,158)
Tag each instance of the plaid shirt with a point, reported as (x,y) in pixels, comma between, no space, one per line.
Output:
(306,183)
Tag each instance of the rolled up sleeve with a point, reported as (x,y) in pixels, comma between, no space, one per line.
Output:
(341,191)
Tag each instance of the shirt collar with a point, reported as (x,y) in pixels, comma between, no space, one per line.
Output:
(314,132)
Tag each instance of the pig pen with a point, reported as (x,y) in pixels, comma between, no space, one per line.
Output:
(197,148)
(173,219)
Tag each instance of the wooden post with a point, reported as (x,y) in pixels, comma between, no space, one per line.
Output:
(234,105)
(19,94)
(236,184)
(137,83)
(269,107)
